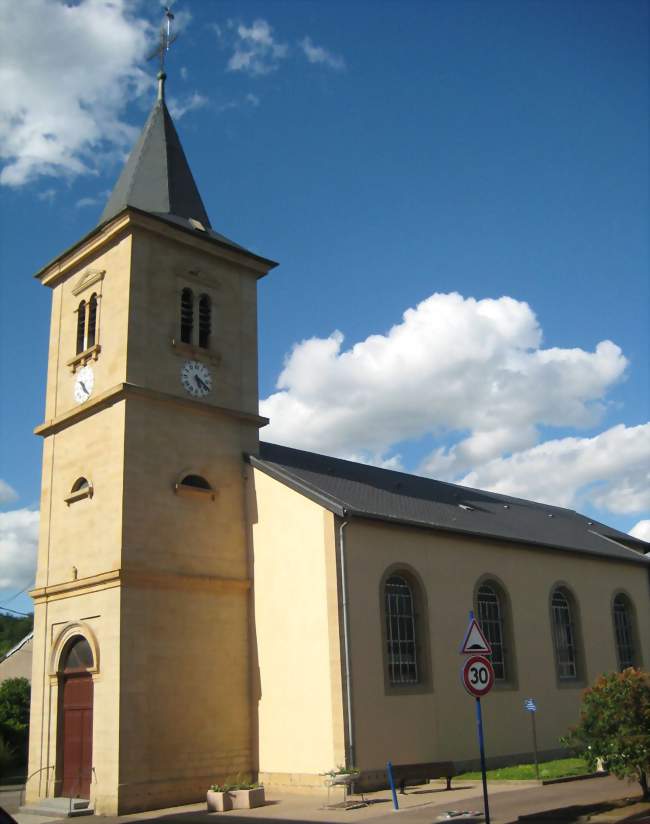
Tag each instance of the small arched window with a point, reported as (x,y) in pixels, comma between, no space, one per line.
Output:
(564,635)
(187,315)
(400,632)
(205,311)
(624,631)
(92,321)
(195,485)
(490,617)
(78,656)
(81,488)
(81,327)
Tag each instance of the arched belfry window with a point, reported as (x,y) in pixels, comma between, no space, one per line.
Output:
(490,614)
(187,315)
(78,656)
(401,639)
(205,312)
(81,326)
(624,632)
(92,321)
(565,638)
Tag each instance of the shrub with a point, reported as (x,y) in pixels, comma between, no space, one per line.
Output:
(615,725)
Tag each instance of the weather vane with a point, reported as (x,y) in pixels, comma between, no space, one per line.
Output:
(165,39)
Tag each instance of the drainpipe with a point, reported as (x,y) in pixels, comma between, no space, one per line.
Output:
(346,644)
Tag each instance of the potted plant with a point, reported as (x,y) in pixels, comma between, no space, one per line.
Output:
(343,775)
(238,793)
(219,799)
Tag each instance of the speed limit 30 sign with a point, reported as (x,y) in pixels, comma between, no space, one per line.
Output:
(478,675)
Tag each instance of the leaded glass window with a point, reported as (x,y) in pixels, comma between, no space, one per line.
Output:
(400,632)
(81,327)
(490,618)
(564,636)
(92,321)
(78,656)
(624,633)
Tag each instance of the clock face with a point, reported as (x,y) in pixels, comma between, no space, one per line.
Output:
(196,378)
(83,385)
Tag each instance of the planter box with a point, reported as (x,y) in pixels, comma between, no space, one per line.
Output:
(219,802)
(246,799)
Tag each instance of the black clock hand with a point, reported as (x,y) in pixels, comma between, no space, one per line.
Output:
(83,386)
(202,384)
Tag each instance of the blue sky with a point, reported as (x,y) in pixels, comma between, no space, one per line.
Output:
(383,153)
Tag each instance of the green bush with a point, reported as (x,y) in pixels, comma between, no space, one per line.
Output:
(14,716)
(615,725)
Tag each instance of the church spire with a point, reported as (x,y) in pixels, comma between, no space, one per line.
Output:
(157,177)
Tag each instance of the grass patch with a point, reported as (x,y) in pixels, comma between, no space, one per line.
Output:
(561,768)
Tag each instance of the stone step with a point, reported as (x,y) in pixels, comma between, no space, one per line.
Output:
(59,807)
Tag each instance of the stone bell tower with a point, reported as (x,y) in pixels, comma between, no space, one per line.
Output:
(140,691)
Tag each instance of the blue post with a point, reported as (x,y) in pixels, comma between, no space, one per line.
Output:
(389,770)
(479,724)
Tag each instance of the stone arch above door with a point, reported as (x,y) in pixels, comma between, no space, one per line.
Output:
(65,636)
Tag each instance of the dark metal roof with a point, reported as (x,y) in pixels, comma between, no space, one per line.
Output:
(353,489)
(157,180)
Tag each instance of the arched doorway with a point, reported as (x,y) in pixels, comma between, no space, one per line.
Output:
(76,719)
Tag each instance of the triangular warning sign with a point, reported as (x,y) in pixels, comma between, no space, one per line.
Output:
(475,642)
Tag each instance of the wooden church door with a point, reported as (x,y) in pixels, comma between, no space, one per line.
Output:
(77,722)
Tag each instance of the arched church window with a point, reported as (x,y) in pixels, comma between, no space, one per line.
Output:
(195,481)
(187,315)
(624,631)
(92,321)
(565,634)
(490,614)
(78,656)
(205,311)
(81,326)
(400,631)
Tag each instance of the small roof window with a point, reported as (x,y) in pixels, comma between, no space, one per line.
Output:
(194,484)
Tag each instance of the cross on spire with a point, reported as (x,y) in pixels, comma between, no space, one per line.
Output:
(165,39)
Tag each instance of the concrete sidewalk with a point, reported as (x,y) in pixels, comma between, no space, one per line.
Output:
(420,805)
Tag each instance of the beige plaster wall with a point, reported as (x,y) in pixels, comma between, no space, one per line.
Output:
(295,635)
(112,317)
(98,614)
(86,534)
(161,268)
(184,691)
(439,723)
(18,665)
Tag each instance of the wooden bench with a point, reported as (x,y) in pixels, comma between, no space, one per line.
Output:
(418,773)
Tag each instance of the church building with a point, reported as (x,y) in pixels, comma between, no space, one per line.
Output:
(207,604)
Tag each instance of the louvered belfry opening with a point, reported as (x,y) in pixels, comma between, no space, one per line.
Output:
(92,321)
(187,315)
(205,311)
(81,326)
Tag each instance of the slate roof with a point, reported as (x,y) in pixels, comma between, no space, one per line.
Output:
(352,489)
(157,179)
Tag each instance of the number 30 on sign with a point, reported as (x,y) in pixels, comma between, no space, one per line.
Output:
(477,675)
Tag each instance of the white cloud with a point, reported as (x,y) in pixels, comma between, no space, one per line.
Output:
(610,471)
(18,545)
(473,373)
(452,365)
(253,99)
(318,54)
(181,106)
(7,493)
(67,72)
(641,530)
(47,195)
(256,51)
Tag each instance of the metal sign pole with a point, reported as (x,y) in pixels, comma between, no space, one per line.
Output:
(479,725)
(532,718)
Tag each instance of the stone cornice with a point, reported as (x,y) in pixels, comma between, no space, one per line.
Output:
(140,578)
(123,391)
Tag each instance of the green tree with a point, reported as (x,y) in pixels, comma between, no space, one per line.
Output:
(14,715)
(615,725)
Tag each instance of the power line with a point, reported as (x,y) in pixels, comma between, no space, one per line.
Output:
(15,595)
(15,612)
